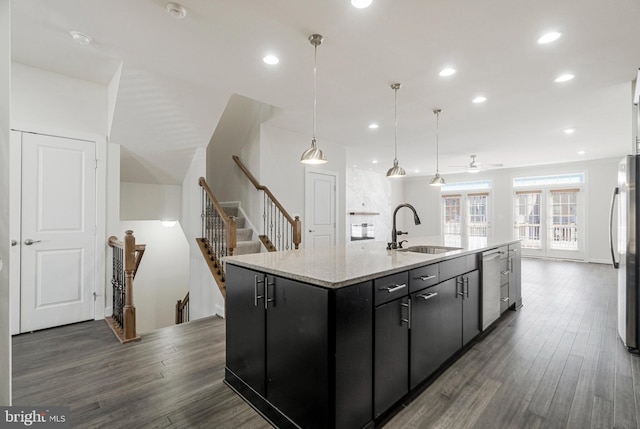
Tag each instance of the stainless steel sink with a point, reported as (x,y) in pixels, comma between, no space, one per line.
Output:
(430,249)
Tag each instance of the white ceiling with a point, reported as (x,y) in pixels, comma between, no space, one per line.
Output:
(177,75)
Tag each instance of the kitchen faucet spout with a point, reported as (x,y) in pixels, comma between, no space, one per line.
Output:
(394,232)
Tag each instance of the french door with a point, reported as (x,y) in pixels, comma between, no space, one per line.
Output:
(466,216)
(550,223)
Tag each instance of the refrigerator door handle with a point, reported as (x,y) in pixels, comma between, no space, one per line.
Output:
(614,197)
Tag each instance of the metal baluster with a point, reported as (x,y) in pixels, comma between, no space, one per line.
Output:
(264,214)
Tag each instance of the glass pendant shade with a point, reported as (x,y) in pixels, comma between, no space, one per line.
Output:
(396,170)
(314,155)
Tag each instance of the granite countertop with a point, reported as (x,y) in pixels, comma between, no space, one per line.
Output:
(339,266)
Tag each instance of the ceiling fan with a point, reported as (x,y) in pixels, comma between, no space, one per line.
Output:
(474,166)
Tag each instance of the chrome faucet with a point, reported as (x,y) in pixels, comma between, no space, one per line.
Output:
(395,233)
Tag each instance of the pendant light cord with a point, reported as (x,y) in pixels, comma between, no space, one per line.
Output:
(315,90)
(437,142)
(395,138)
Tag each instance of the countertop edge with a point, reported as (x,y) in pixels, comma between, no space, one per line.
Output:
(428,260)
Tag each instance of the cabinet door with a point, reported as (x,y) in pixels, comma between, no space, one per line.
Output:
(297,345)
(391,354)
(245,324)
(436,329)
(470,306)
(515,267)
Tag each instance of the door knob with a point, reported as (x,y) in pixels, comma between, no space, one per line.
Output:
(29,241)
(312,230)
(14,242)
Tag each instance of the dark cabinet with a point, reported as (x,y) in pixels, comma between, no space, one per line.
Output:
(297,342)
(469,291)
(245,324)
(391,353)
(300,354)
(436,329)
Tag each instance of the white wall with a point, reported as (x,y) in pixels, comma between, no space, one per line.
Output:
(145,201)
(601,178)
(205,298)
(57,102)
(370,191)
(5,109)
(282,171)
(163,275)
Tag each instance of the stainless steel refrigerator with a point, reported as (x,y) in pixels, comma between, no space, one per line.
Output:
(624,236)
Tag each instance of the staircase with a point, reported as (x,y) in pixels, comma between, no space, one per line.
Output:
(244,236)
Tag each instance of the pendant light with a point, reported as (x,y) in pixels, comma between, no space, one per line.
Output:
(437,180)
(313,155)
(396,170)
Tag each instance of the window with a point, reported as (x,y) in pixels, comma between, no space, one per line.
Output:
(528,219)
(563,229)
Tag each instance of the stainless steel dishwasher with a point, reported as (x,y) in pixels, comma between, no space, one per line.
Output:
(490,287)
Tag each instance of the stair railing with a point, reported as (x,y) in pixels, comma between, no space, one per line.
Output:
(218,233)
(126,260)
(279,229)
(182,310)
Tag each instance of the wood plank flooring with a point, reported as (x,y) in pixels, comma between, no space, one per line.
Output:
(556,363)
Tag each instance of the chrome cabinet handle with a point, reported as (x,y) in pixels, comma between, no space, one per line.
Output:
(408,319)
(29,241)
(465,283)
(256,297)
(391,289)
(459,281)
(504,273)
(505,299)
(425,278)
(427,296)
(267,300)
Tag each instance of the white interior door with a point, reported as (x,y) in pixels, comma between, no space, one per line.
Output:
(320,209)
(58,234)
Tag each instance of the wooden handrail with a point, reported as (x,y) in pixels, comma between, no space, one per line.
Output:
(140,248)
(295,223)
(229,221)
(260,187)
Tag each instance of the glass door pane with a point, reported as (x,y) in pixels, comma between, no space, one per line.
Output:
(477,215)
(527,219)
(452,220)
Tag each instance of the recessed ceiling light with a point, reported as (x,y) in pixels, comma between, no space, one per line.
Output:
(448,71)
(479,99)
(549,37)
(373,126)
(176,10)
(271,59)
(582,152)
(361,4)
(416,171)
(83,39)
(564,78)
(375,161)
(569,130)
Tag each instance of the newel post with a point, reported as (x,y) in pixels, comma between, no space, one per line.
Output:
(129,268)
(297,232)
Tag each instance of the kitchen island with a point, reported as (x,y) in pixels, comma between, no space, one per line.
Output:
(339,337)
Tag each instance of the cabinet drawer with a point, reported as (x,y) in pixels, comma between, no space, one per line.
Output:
(390,287)
(504,251)
(504,271)
(423,277)
(504,298)
(457,266)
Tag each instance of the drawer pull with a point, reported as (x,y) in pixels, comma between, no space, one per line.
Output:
(425,278)
(391,289)
(505,299)
(427,296)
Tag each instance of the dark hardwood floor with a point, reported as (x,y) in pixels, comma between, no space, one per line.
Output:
(557,362)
